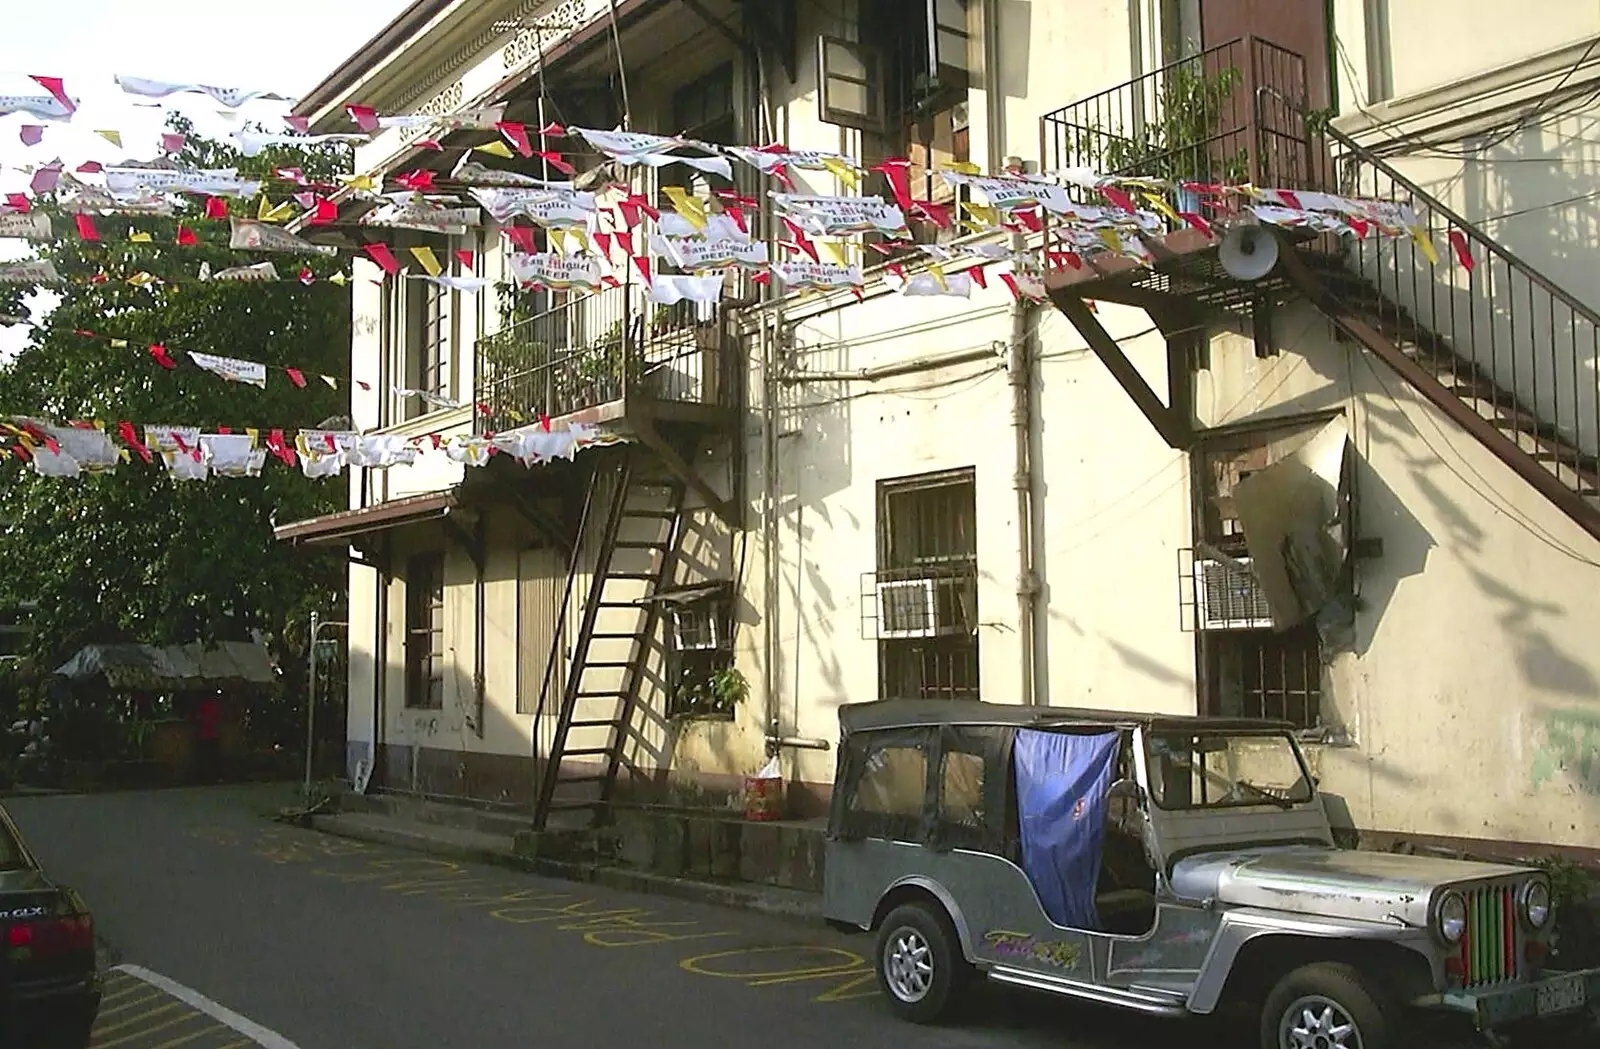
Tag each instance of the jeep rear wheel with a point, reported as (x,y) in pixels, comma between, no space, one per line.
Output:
(920,965)
(1328,1005)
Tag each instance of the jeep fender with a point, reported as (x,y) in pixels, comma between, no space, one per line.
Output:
(896,893)
(1245,925)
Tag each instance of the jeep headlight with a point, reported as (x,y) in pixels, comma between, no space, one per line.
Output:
(1536,903)
(1451,917)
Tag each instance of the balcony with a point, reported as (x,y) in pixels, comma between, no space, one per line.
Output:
(1229,114)
(612,357)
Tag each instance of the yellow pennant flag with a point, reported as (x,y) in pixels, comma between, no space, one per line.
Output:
(835,251)
(137,237)
(842,171)
(339,279)
(496,149)
(1159,203)
(113,137)
(142,279)
(982,213)
(333,384)
(938,275)
(282,213)
(581,237)
(360,182)
(119,344)
(1420,235)
(1109,238)
(254,435)
(558,241)
(122,453)
(691,208)
(964,167)
(425,256)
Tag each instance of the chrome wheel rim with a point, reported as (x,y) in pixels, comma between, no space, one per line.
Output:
(908,964)
(1316,1022)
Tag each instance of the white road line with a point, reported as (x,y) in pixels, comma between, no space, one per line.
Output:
(220,1013)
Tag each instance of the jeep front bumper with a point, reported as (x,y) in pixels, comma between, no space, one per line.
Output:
(1554,995)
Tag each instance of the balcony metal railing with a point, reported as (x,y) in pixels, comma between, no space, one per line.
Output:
(612,345)
(1232,113)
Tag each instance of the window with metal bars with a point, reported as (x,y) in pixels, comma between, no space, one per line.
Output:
(1246,668)
(425,631)
(926,587)
(431,335)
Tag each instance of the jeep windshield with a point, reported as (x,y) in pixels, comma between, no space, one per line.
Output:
(1218,770)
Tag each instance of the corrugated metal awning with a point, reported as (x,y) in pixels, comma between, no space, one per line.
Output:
(395,513)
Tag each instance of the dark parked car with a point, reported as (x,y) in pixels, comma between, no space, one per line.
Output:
(49,981)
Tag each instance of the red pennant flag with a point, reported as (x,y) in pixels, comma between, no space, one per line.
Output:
(419,181)
(553,130)
(381,254)
(19,202)
(554,160)
(186,237)
(296,377)
(897,269)
(428,143)
(802,241)
(43,438)
(781,173)
(366,117)
(1290,200)
(1118,198)
(130,437)
(224,430)
(90,167)
(465,257)
(307,277)
(178,440)
(624,241)
(216,208)
(544,421)
(158,353)
(898,171)
(517,135)
(1029,220)
(630,212)
(328,440)
(603,241)
(1361,226)
(364,385)
(1458,243)
(938,214)
(300,124)
(278,446)
(56,87)
(881,249)
(32,134)
(764,277)
(976,273)
(295,175)
(323,213)
(736,213)
(642,264)
(1197,221)
(483,409)
(611,282)
(86,228)
(1011,282)
(306,199)
(436,440)
(172,142)
(521,237)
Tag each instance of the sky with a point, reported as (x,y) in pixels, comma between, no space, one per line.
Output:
(287,47)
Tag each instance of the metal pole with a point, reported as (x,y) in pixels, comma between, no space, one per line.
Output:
(311,695)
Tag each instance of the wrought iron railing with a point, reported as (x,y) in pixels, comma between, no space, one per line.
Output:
(1230,113)
(612,345)
(1501,335)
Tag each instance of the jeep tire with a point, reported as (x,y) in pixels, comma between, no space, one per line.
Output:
(919,962)
(1327,1005)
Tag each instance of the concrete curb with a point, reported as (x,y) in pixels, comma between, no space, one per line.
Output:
(791,904)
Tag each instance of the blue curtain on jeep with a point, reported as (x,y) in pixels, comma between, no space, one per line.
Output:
(1062,782)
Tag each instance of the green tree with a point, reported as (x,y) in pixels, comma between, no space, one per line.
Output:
(135,555)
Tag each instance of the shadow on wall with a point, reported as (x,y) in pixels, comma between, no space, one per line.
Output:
(1380,513)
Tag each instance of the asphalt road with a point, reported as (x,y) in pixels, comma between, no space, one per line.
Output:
(331,944)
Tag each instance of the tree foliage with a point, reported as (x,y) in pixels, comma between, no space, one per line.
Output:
(134,555)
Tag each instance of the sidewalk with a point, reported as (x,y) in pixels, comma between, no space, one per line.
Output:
(502,847)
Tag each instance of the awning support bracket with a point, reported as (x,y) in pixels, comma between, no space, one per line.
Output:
(650,437)
(1172,422)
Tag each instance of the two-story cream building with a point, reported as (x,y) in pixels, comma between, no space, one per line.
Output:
(1356,491)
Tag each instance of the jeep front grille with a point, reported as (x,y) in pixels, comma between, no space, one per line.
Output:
(1489,949)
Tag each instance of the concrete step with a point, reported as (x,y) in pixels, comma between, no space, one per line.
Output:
(438,813)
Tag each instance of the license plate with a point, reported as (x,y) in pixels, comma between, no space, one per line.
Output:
(1561,994)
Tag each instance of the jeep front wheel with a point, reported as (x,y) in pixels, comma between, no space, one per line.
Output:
(1328,1005)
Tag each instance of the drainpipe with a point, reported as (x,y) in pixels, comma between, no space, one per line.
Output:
(1020,372)
(993,97)
(771,321)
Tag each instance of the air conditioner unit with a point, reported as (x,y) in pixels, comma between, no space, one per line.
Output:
(1227,596)
(926,607)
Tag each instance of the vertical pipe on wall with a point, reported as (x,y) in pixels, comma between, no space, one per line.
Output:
(769,453)
(1020,372)
(994,98)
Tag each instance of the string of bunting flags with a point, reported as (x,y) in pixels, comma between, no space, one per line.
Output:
(190,453)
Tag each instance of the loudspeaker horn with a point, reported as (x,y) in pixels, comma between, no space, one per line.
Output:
(1248,253)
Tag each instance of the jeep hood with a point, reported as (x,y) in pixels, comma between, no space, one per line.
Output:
(1333,883)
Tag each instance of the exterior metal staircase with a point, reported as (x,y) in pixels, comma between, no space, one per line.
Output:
(1502,350)
(632,521)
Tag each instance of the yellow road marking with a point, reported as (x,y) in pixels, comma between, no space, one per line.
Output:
(130,1004)
(175,1021)
(140,1018)
(240,1044)
(175,1042)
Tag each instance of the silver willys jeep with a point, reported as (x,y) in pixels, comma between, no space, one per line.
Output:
(1169,865)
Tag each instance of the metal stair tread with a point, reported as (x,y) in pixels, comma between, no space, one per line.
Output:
(611,722)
